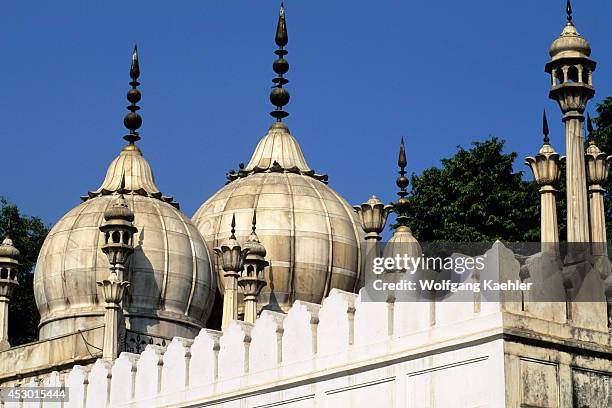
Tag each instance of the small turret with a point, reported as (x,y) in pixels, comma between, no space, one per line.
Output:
(252,279)
(9,266)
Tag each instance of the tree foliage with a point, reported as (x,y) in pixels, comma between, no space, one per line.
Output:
(474,197)
(28,234)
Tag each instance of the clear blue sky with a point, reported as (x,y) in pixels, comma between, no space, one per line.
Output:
(362,75)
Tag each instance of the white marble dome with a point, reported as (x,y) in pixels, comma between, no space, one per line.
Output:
(310,232)
(172,283)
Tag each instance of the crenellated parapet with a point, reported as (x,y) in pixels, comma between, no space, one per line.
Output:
(334,351)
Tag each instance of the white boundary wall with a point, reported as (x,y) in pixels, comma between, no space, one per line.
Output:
(343,353)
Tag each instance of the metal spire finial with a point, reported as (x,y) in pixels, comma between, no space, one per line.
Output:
(590,129)
(279,96)
(281,28)
(254,222)
(133,120)
(401,161)
(545,130)
(401,205)
(568,10)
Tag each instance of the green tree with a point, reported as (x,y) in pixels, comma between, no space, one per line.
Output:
(602,136)
(474,197)
(28,234)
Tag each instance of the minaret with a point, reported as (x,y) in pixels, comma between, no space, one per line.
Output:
(9,266)
(546,168)
(232,261)
(571,71)
(279,95)
(118,230)
(252,279)
(597,170)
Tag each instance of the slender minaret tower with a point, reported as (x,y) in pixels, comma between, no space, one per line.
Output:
(571,71)
(118,230)
(597,170)
(546,168)
(232,261)
(9,266)
(252,279)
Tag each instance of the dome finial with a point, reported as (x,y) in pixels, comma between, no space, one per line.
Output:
(545,130)
(279,96)
(132,120)
(590,129)
(568,10)
(254,222)
(402,182)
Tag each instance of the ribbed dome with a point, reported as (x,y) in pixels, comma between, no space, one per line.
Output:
(402,243)
(172,284)
(310,233)
(570,45)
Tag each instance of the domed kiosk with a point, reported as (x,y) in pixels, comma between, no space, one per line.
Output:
(170,275)
(311,233)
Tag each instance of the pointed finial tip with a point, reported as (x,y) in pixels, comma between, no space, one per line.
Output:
(545,130)
(568,10)
(135,68)
(401,161)
(281,28)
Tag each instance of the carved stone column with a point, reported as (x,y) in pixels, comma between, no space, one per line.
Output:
(373,216)
(118,230)
(597,170)
(232,257)
(9,266)
(252,280)
(546,168)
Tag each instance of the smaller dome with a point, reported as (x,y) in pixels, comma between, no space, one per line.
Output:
(402,243)
(119,211)
(256,249)
(7,249)
(570,44)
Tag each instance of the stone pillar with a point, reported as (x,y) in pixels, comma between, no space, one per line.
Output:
(232,257)
(546,168)
(597,170)
(577,207)
(252,279)
(118,230)
(230,298)
(373,216)
(113,289)
(9,266)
